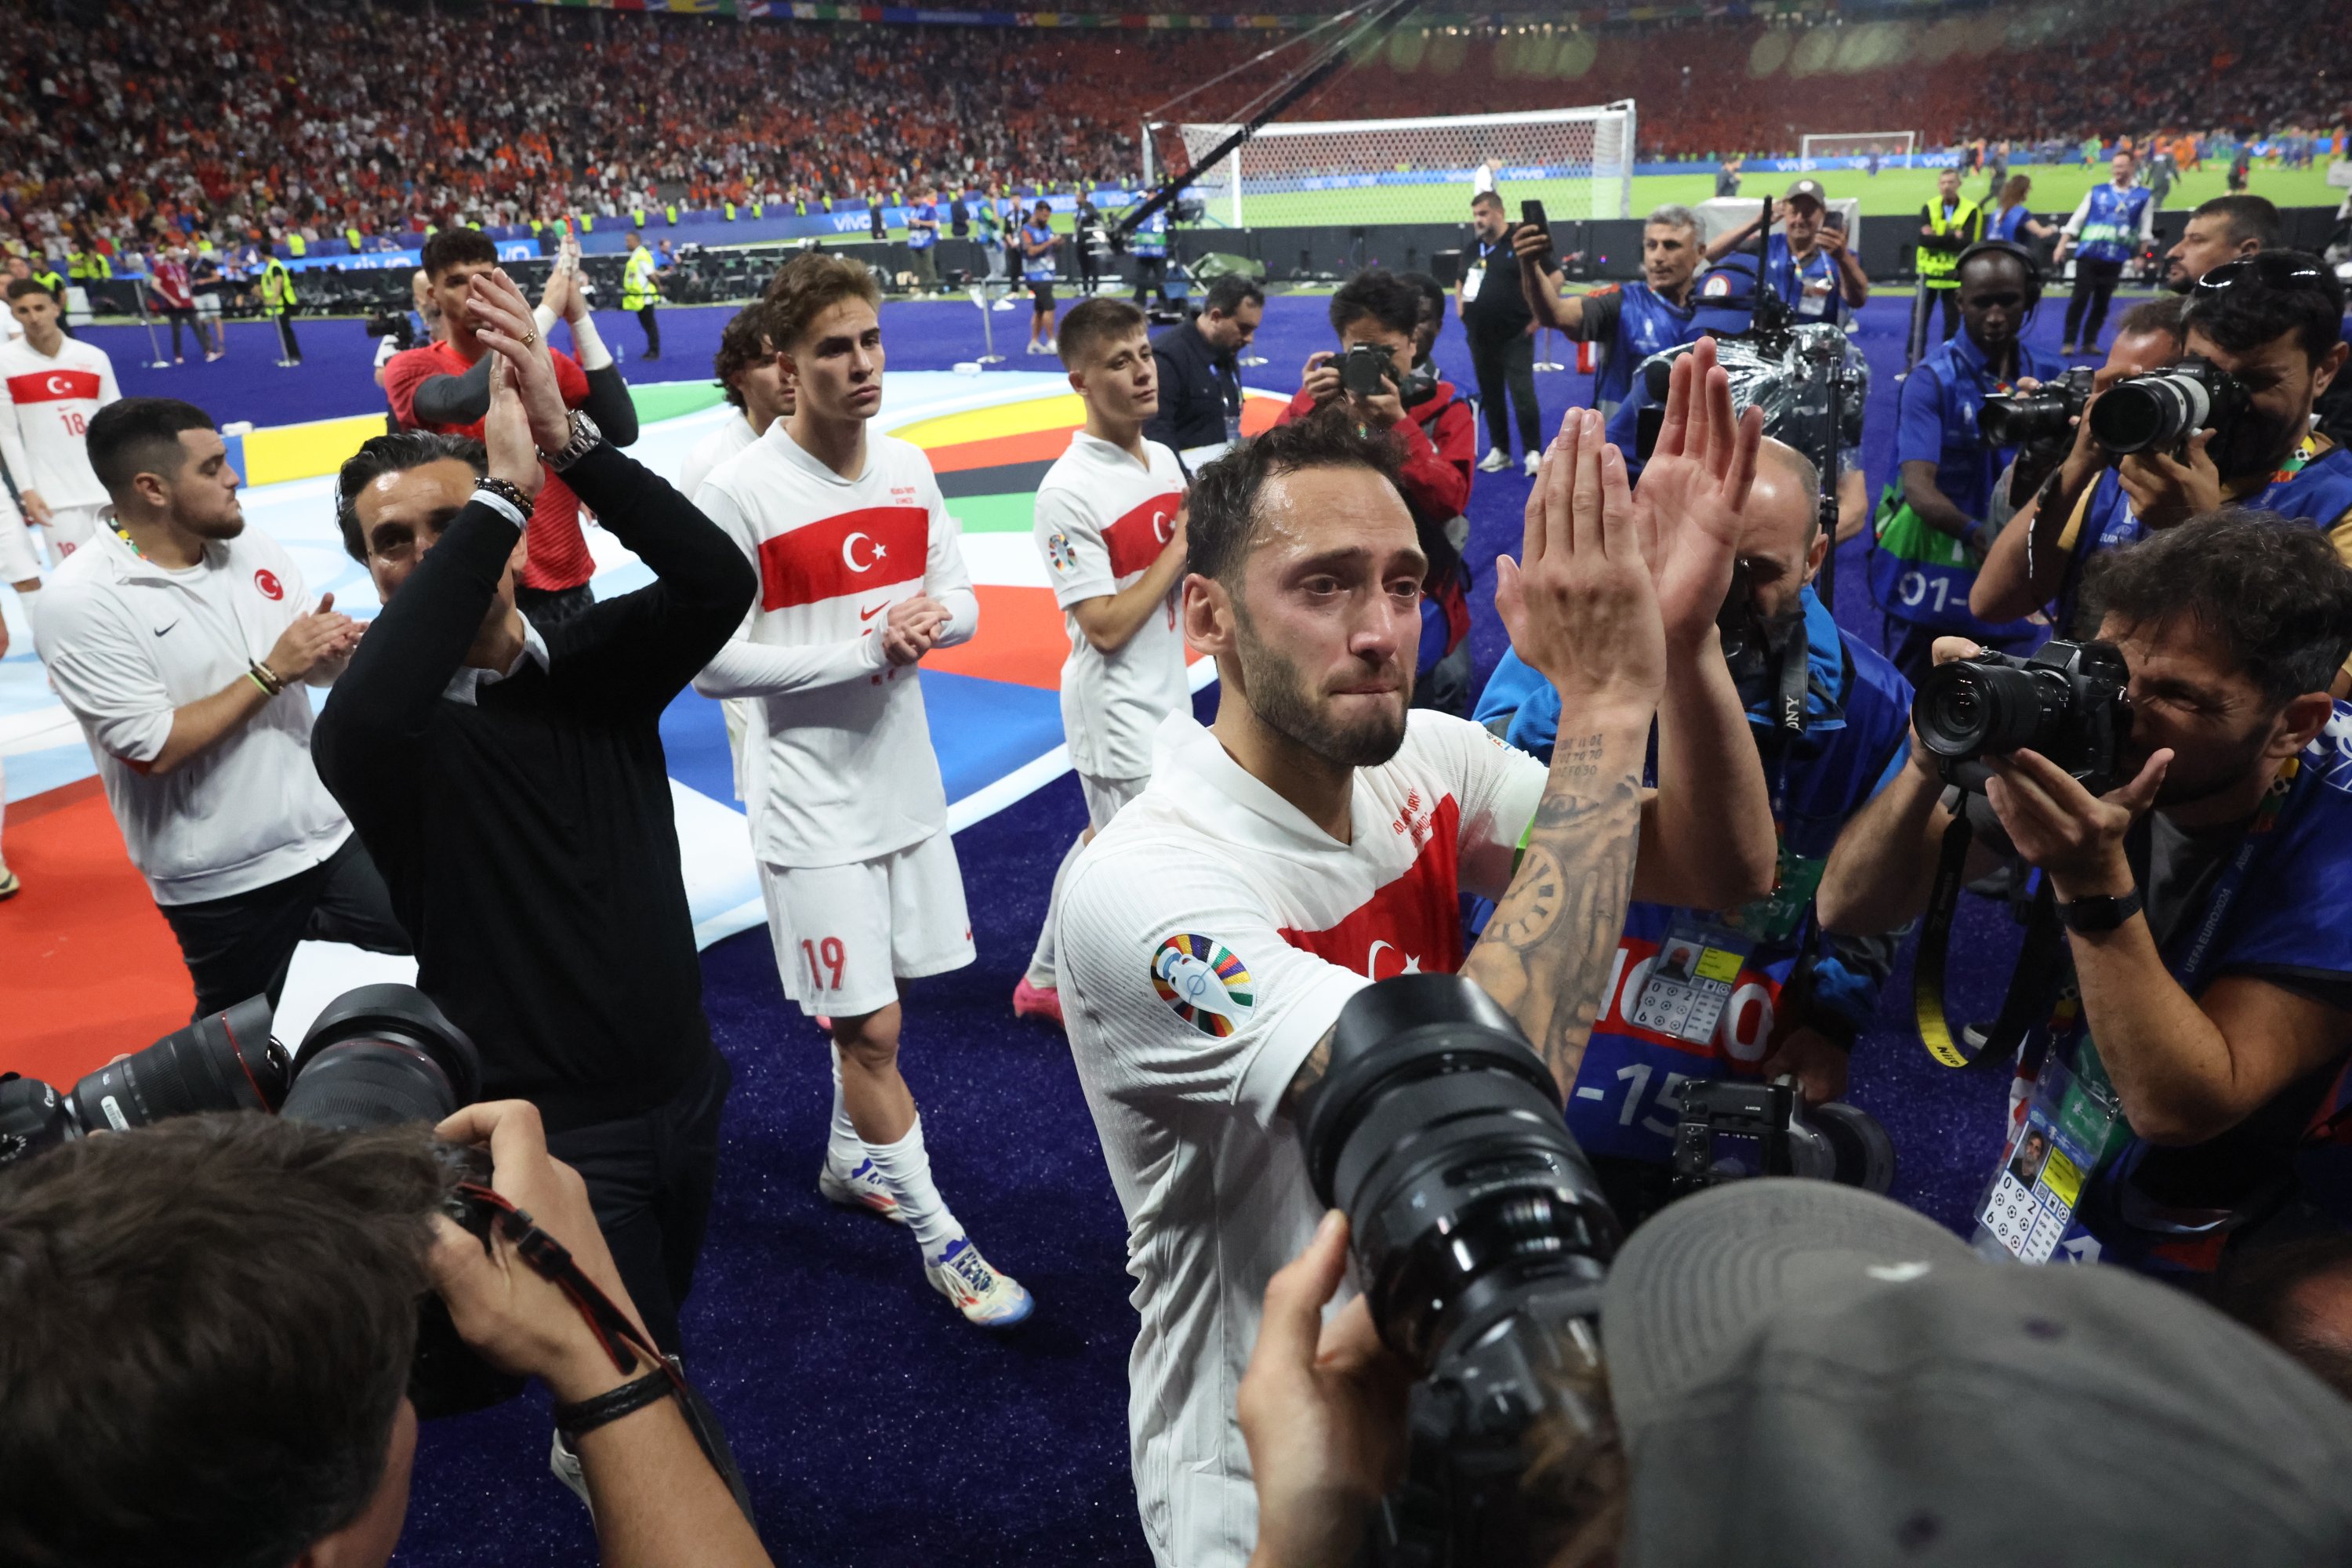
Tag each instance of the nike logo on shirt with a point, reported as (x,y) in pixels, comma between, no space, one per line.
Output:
(161,630)
(869,614)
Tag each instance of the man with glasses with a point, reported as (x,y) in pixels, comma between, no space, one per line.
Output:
(2273,322)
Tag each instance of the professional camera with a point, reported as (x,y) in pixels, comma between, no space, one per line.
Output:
(1364,372)
(2163,408)
(1481,1238)
(1729,1130)
(2029,419)
(380,1055)
(2070,702)
(395,325)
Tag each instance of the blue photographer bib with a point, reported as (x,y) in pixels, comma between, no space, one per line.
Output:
(2313,486)
(2111,226)
(1647,321)
(1917,574)
(1150,237)
(924,238)
(1719,975)
(1814,291)
(2076,1184)
(1038,269)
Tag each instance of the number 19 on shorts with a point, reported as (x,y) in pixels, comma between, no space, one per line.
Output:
(823,956)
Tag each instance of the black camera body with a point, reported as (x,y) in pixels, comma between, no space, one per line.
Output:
(2160,410)
(378,1056)
(2033,418)
(1729,1130)
(395,325)
(1364,371)
(2071,702)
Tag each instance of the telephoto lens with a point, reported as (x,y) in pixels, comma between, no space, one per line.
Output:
(1483,1239)
(2162,409)
(379,1056)
(1439,1131)
(223,1061)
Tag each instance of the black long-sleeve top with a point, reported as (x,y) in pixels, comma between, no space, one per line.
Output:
(527,839)
(1199,386)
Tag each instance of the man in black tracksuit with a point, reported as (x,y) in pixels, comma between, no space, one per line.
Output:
(509,782)
(1500,327)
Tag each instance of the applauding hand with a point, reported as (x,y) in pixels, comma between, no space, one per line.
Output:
(1692,503)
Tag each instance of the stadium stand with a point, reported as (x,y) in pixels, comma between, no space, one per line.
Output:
(259,122)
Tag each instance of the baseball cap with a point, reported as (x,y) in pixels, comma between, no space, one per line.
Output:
(1808,190)
(1807,1372)
(1725,298)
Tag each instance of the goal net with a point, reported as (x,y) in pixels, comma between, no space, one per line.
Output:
(1893,149)
(1577,162)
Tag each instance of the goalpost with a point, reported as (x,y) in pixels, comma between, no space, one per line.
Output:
(1577,162)
(1896,150)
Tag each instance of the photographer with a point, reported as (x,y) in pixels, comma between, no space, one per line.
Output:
(1803,998)
(1799,1373)
(2223,229)
(1200,378)
(211,1323)
(1629,321)
(922,240)
(1037,242)
(1501,324)
(1936,524)
(2111,225)
(1376,315)
(2208,917)
(1321,835)
(509,782)
(2270,324)
(445,387)
(1807,264)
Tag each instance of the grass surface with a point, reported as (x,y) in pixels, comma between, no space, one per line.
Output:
(2056,188)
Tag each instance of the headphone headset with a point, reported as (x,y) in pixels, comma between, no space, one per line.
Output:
(2009,247)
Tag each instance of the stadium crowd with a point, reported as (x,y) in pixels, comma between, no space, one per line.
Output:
(259,122)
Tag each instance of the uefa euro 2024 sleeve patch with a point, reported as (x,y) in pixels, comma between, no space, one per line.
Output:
(1058,550)
(1204,982)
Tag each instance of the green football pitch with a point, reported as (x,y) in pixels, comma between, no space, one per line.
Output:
(1893,193)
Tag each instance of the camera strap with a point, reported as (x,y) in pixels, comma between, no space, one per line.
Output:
(621,1339)
(2033,984)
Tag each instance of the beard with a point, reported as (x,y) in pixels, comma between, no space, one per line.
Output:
(2188,788)
(2252,444)
(1278,696)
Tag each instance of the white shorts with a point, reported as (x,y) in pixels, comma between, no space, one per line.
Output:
(845,935)
(1105,796)
(18,562)
(71,528)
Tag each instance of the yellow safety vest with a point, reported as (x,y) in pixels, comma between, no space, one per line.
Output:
(351,239)
(277,285)
(294,242)
(1941,268)
(639,289)
(670,212)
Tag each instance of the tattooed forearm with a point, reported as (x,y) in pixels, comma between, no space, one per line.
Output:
(1546,953)
(1310,1072)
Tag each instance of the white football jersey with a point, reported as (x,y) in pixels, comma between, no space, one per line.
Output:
(846,772)
(1102,518)
(1209,937)
(45,409)
(732,436)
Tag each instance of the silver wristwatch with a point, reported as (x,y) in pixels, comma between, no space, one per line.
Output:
(584,435)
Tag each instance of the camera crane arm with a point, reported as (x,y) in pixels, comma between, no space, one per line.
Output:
(1314,75)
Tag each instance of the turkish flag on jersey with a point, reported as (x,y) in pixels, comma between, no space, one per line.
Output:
(1413,925)
(873,547)
(1136,540)
(53,386)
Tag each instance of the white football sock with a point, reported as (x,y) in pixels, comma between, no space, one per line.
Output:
(844,1150)
(907,1170)
(1041,963)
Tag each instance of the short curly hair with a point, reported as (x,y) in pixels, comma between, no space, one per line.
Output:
(2273,591)
(748,338)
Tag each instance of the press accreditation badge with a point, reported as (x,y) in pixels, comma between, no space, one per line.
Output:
(1690,981)
(1471,281)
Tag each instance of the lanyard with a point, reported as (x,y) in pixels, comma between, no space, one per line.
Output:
(2190,970)
(2294,464)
